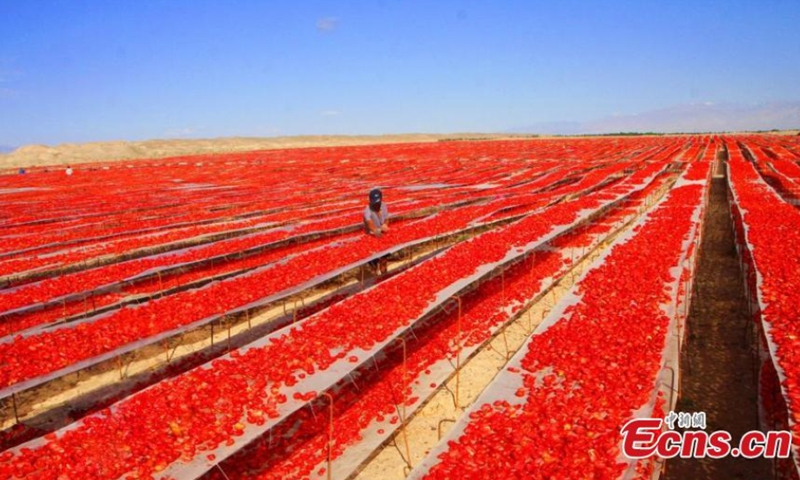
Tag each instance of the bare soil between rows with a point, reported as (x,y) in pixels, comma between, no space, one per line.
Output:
(717,369)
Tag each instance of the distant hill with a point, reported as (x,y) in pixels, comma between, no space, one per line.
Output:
(74,153)
(6,149)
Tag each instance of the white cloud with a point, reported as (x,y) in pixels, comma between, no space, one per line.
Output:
(330,113)
(327,24)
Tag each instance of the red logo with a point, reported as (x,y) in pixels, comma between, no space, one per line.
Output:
(645,437)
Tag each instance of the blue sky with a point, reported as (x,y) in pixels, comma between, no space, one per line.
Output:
(105,70)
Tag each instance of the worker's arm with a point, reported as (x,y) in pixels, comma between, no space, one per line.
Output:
(372,228)
(385,215)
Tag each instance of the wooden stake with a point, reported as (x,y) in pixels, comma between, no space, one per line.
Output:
(458,355)
(330,432)
(403,398)
(14,404)
(229,323)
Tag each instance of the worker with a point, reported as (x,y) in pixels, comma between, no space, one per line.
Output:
(68,171)
(376,223)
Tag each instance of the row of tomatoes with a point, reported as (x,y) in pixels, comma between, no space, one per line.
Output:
(582,378)
(69,255)
(197,210)
(149,288)
(772,237)
(779,172)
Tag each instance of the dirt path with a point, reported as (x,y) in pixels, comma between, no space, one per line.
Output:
(717,370)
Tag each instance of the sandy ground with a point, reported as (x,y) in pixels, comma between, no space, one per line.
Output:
(720,379)
(73,153)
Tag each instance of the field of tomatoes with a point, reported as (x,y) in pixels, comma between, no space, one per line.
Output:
(122,255)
